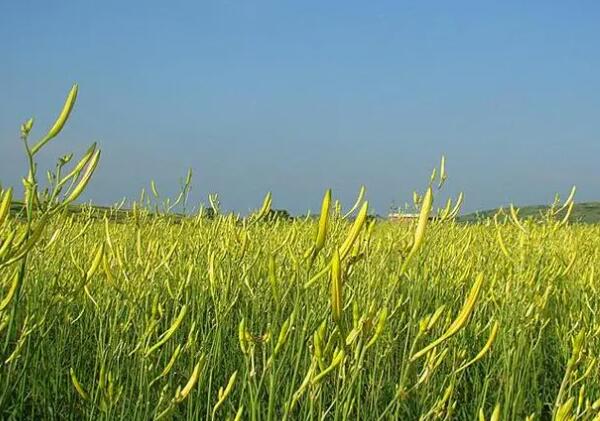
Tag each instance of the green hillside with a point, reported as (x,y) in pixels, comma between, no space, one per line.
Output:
(588,212)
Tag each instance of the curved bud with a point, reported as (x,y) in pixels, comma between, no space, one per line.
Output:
(60,121)
(5,205)
(87,175)
(355,230)
(361,195)
(192,381)
(323,219)
(460,320)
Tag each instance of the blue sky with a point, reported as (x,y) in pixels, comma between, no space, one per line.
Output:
(296,97)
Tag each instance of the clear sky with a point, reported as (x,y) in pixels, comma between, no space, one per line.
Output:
(295,97)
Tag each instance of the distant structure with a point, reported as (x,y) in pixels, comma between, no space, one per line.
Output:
(404,217)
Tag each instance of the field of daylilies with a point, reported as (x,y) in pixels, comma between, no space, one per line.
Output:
(144,314)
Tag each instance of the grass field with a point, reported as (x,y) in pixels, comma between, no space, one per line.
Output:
(147,316)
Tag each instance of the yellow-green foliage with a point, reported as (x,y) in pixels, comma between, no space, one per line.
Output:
(149,316)
(167,295)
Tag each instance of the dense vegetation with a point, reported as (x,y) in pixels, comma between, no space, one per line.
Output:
(221,317)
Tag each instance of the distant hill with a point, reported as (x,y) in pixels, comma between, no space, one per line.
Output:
(95,211)
(588,212)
